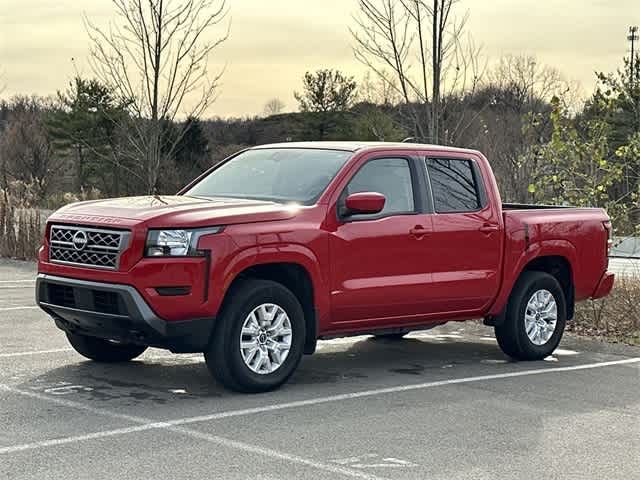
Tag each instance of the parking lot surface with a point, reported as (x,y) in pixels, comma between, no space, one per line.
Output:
(440,404)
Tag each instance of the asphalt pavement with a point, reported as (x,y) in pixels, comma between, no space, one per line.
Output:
(440,404)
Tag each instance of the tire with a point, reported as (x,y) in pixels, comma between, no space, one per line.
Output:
(543,337)
(391,336)
(104,351)
(248,370)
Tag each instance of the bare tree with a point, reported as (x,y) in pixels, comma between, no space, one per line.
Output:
(377,91)
(530,83)
(421,44)
(26,150)
(155,56)
(273,107)
(518,91)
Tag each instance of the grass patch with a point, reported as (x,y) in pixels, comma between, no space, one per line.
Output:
(615,318)
(21,228)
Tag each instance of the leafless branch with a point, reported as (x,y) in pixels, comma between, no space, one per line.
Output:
(420,43)
(156,58)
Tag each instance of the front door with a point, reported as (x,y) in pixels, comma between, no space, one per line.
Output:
(379,262)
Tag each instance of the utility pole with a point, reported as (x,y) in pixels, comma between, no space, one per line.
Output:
(632,37)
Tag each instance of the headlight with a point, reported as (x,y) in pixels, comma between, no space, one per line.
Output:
(176,243)
(168,243)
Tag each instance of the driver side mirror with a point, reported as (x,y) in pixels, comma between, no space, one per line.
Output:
(364,203)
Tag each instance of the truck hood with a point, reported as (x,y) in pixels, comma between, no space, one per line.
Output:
(173,211)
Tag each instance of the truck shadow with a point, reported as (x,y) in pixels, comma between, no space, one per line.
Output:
(163,378)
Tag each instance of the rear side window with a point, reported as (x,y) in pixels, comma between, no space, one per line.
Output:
(390,177)
(454,185)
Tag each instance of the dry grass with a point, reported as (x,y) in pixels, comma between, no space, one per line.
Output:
(614,318)
(23,217)
(21,228)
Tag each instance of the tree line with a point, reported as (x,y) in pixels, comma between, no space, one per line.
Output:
(137,125)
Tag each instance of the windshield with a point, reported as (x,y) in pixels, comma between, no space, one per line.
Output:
(281,175)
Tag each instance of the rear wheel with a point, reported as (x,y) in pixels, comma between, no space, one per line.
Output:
(104,350)
(535,318)
(259,337)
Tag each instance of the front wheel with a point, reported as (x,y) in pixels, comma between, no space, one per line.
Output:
(105,351)
(259,339)
(535,318)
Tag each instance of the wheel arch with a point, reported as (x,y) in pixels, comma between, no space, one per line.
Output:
(295,277)
(555,258)
(558,267)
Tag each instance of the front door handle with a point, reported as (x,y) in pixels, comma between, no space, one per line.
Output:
(488,228)
(419,231)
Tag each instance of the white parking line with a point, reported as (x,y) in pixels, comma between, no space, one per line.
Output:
(176,424)
(153,356)
(383,391)
(22,307)
(146,425)
(35,352)
(18,281)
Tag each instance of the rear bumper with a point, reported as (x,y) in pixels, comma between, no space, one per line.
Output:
(604,286)
(118,312)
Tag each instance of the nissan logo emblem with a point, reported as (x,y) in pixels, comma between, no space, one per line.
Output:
(80,240)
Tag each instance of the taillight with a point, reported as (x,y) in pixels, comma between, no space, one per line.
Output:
(609,229)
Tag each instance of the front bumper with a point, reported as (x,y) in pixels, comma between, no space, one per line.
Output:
(117,312)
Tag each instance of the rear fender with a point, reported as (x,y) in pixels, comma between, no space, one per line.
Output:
(544,248)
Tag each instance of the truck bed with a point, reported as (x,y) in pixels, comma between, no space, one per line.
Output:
(576,233)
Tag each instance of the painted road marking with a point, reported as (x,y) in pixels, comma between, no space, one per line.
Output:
(186,357)
(18,281)
(67,389)
(373,460)
(35,352)
(147,424)
(22,307)
(183,357)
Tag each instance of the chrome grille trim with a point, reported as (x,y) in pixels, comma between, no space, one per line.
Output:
(102,250)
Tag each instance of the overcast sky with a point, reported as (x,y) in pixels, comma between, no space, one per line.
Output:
(273,42)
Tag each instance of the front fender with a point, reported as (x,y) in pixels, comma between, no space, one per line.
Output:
(278,253)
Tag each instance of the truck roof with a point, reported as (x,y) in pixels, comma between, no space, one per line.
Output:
(355,146)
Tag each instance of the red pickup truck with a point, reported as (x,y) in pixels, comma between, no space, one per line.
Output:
(281,245)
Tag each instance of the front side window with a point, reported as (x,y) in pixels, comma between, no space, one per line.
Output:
(453,184)
(278,174)
(390,177)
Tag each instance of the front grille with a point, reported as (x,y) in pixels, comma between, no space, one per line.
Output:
(89,247)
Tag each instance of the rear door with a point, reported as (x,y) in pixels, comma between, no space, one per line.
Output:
(466,243)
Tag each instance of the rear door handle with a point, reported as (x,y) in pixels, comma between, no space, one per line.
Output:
(488,228)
